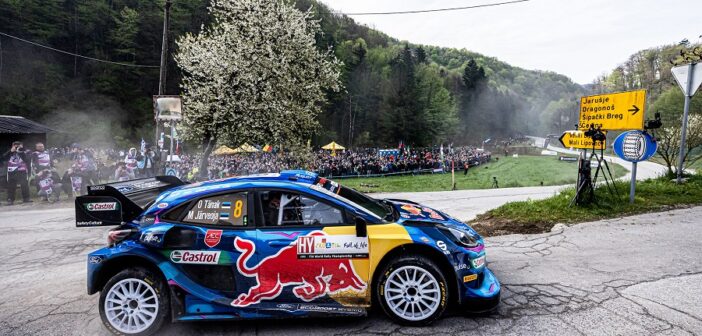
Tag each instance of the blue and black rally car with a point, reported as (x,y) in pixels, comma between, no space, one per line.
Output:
(291,244)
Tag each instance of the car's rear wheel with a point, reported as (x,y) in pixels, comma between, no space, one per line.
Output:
(134,302)
(412,290)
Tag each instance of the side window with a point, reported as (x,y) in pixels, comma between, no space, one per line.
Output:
(224,210)
(282,208)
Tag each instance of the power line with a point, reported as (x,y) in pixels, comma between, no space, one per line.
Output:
(448,9)
(78,55)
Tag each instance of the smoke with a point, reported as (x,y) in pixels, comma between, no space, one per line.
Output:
(89,119)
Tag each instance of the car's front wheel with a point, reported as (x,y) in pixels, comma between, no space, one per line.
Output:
(412,290)
(134,302)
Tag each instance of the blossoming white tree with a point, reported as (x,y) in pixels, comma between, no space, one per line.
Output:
(254,75)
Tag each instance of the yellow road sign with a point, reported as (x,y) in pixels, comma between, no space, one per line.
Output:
(613,112)
(577,139)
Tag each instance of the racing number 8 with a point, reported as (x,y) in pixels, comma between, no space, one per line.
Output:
(237,208)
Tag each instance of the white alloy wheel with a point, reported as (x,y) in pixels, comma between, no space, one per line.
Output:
(131,306)
(412,293)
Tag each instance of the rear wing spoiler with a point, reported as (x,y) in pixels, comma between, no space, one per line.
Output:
(119,202)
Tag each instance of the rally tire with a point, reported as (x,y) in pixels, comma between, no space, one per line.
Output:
(137,293)
(412,290)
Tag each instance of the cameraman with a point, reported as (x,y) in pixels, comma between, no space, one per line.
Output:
(17,172)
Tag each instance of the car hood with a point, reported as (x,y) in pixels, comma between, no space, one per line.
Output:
(415,212)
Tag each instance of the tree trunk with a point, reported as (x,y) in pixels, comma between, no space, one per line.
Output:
(208,145)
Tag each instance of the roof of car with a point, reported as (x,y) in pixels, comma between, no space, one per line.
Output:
(288,177)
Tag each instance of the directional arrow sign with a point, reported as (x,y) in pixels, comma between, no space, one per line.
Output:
(577,139)
(616,111)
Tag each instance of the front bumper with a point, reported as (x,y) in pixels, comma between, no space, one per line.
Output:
(483,296)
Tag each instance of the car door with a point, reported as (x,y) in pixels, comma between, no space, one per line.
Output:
(201,246)
(308,253)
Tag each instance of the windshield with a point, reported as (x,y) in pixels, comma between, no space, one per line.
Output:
(369,203)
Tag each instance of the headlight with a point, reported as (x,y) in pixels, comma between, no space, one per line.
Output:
(460,237)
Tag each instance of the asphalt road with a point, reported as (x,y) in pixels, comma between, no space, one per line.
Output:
(630,276)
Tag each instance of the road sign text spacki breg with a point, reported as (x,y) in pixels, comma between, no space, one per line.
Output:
(616,111)
(577,139)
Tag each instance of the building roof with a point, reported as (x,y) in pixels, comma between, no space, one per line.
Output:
(20,125)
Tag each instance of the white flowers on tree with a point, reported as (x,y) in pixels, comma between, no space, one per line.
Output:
(254,75)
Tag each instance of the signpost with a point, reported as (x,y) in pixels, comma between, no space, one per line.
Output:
(634,146)
(577,139)
(689,77)
(613,112)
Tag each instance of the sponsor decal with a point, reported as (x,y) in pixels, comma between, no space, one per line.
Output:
(442,246)
(195,257)
(311,279)
(162,205)
(97,187)
(89,223)
(329,309)
(460,267)
(478,262)
(286,306)
(150,237)
(433,214)
(330,247)
(412,209)
(94,260)
(404,215)
(424,239)
(101,206)
(125,189)
(470,277)
(212,237)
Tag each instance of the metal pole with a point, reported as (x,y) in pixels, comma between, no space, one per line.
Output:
(632,189)
(170,151)
(162,69)
(688,96)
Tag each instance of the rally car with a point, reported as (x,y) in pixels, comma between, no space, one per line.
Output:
(290,244)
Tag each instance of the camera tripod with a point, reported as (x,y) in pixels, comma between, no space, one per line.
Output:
(585,192)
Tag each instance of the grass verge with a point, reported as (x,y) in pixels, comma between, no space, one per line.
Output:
(539,216)
(522,171)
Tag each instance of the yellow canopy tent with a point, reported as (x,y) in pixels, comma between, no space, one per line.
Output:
(245,148)
(333,147)
(223,150)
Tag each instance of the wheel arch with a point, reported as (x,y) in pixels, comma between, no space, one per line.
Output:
(113,266)
(433,254)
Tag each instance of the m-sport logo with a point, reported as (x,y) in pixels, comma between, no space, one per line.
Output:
(102,206)
(195,257)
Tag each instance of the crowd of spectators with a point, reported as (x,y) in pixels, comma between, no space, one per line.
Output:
(68,170)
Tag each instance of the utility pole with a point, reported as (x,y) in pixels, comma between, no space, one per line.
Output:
(164,49)
(164,59)
(686,110)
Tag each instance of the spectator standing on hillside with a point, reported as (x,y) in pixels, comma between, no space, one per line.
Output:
(17,172)
(150,159)
(131,162)
(41,159)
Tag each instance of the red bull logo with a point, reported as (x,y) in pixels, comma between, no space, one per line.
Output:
(311,278)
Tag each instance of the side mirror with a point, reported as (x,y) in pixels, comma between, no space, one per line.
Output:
(361,227)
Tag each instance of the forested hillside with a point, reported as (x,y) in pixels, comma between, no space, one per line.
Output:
(394,90)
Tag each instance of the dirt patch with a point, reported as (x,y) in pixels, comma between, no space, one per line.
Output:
(493,226)
(488,225)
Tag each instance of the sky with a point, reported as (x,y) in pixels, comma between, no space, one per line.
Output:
(581,39)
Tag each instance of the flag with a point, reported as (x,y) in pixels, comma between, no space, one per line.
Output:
(441,153)
(143,145)
(177,149)
(401,145)
(267,148)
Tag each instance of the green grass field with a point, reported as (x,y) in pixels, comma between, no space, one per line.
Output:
(539,216)
(524,171)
